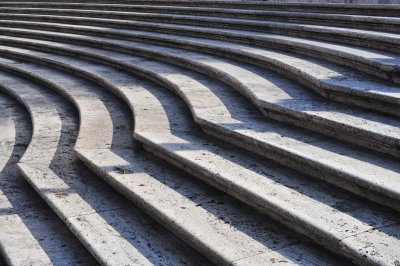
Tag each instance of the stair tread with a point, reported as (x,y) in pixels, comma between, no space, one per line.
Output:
(170,132)
(288,96)
(221,237)
(31,233)
(372,57)
(324,77)
(194,150)
(93,212)
(211,11)
(332,161)
(343,32)
(184,6)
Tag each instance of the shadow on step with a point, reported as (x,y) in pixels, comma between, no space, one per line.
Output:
(191,138)
(31,218)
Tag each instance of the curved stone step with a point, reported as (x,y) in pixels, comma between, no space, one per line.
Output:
(384,41)
(288,102)
(377,63)
(158,190)
(236,123)
(112,230)
(330,80)
(263,101)
(331,217)
(378,23)
(30,233)
(336,8)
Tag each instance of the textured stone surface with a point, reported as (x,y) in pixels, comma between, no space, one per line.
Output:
(191,133)
(163,128)
(30,232)
(301,150)
(157,191)
(86,205)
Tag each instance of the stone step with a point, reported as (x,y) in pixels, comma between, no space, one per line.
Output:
(158,190)
(374,62)
(362,9)
(286,101)
(143,188)
(270,133)
(330,80)
(379,40)
(331,217)
(259,96)
(109,227)
(312,154)
(388,24)
(31,234)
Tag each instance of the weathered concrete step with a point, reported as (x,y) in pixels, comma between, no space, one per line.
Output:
(363,9)
(315,155)
(169,197)
(365,38)
(330,80)
(389,24)
(112,230)
(286,101)
(30,234)
(308,207)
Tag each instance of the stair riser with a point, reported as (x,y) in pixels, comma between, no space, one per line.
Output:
(372,68)
(327,128)
(172,225)
(287,18)
(379,43)
(278,214)
(346,59)
(371,10)
(366,139)
(320,171)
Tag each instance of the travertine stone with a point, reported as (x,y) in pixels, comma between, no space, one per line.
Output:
(30,232)
(75,194)
(300,150)
(214,118)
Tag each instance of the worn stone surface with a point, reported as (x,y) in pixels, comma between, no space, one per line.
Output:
(231,101)
(301,150)
(295,105)
(200,158)
(84,203)
(162,194)
(30,232)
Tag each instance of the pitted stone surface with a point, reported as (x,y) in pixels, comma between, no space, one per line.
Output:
(203,114)
(30,232)
(76,195)
(209,233)
(348,226)
(272,140)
